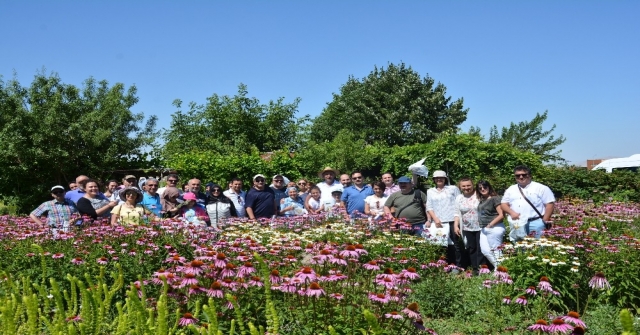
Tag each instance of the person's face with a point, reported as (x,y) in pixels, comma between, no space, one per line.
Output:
(440,181)
(345,180)
(405,187)
(73,186)
(91,188)
(131,197)
(172,181)
(185,187)
(522,178)
(58,194)
(293,193)
(302,184)
(466,187)
(216,191)
(337,196)
(483,190)
(357,179)
(315,194)
(387,179)
(207,188)
(258,183)
(80,181)
(194,186)
(152,187)
(236,186)
(329,177)
(377,191)
(278,182)
(291,184)
(112,186)
(129,182)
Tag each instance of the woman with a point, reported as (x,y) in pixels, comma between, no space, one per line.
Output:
(312,204)
(130,212)
(192,213)
(93,203)
(111,191)
(303,188)
(441,207)
(219,207)
(466,220)
(374,204)
(169,201)
(293,205)
(490,217)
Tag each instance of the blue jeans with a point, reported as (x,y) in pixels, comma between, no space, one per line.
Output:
(417,229)
(537,226)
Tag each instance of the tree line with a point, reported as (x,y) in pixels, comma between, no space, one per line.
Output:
(51,131)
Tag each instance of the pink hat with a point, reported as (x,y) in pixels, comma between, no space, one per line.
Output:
(189,196)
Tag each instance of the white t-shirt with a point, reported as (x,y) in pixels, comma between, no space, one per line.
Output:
(238,201)
(537,193)
(325,197)
(443,202)
(376,205)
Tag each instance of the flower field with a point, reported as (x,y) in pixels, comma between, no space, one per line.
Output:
(317,275)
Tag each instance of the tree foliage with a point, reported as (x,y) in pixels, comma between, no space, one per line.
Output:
(529,136)
(234,125)
(50,132)
(394,106)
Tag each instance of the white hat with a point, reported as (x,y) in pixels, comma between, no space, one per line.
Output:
(258,176)
(57,186)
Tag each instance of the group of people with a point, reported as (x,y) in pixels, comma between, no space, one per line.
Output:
(472,212)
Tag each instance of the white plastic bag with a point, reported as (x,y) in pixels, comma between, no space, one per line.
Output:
(438,236)
(419,169)
(518,230)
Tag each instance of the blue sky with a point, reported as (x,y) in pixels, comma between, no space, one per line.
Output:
(507,59)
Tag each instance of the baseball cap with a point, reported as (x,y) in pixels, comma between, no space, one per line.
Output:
(57,186)
(404,179)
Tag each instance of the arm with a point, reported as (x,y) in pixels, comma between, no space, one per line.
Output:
(548,211)
(498,218)
(114,219)
(35,219)
(250,213)
(456,220)
(84,207)
(106,208)
(507,210)
(367,209)
(232,210)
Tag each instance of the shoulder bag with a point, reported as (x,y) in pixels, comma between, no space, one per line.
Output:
(546,225)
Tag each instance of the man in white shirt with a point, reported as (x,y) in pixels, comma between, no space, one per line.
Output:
(329,185)
(237,196)
(514,202)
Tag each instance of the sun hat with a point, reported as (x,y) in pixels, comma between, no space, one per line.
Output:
(259,176)
(57,186)
(129,176)
(321,173)
(189,196)
(123,194)
(404,179)
(440,174)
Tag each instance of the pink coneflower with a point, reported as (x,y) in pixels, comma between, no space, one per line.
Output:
(379,297)
(412,311)
(337,296)
(540,325)
(574,318)
(487,283)
(274,277)
(175,259)
(350,252)
(220,261)
(215,290)
(102,261)
(522,300)
(558,325)
(360,249)
(393,315)
(194,267)
(506,300)
(255,281)
(314,290)
(187,319)
(228,271)
(484,269)
(338,259)
(531,291)
(371,265)
(306,273)
(77,261)
(195,289)
(75,318)
(188,279)
(544,284)
(599,282)
(501,272)
(57,256)
(411,273)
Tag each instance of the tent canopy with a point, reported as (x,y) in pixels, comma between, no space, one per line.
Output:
(627,163)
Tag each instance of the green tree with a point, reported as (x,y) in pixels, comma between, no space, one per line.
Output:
(394,106)
(529,136)
(234,125)
(50,132)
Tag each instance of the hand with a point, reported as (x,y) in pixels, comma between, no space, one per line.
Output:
(490,226)
(515,216)
(548,223)
(456,230)
(438,224)
(427,224)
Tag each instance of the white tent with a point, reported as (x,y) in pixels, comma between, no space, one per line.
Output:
(627,163)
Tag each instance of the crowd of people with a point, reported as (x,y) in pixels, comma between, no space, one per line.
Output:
(470,212)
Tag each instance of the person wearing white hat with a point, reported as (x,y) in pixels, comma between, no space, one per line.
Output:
(328,186)
(260,201)
(59,211)
(441,206)
(279,187)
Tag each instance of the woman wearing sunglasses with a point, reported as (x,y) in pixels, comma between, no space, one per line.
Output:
(219,207)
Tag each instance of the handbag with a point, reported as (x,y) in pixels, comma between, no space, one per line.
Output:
(438,236)
(546,225)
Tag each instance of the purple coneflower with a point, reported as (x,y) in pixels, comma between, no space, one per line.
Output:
(412,311)
(371,265)
(544,284)
(393,315)
(306,273)
(246,269)
(350,252)
(574,318)
(103,261)
(522,300)
(484,269)
(411,273)
(228,271)
(337,296)
(255,281)
(599,282)
(187,319)
(188,279)
(220,260)
(506,300)
(558,326)
(215,290)
(501,272)
(540,325)
(77,261)
(577,330)
(531,291)
(314,290)
(57,256)
(194,267)
(379,297)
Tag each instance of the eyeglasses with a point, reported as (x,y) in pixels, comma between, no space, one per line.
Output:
(521,175)
(360,177)
(278,180)
(131,179)
(259,180)
(152,185)
(302,184)
(172,181)
(57,192)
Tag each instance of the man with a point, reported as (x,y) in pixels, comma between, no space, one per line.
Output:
(73,185)
(194,187)
(279,188)
(172,181)
(129,181)
(237,196)
(345,180)
(328,186)
(408,204)
(516,206)
(389,187)
(79,192)
(261,200)
(150,197)
(353,196)
(59,211)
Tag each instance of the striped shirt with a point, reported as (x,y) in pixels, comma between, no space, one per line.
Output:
(57,212)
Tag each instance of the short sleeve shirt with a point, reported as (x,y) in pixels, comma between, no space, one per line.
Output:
(487,210)
(537,193)
(412,213)
(443,202)
(326,198)
(57,212)
(467,211)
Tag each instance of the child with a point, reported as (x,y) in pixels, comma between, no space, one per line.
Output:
(313,205)
(192,213)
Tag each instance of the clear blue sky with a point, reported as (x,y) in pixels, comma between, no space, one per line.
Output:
(508,59)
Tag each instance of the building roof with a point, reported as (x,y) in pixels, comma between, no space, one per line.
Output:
(619,163)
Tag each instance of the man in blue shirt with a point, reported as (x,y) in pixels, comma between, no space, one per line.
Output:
(353,196)
(150,198)
(60,212)
(261,200)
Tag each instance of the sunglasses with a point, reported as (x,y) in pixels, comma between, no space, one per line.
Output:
(57,192)
(302,184)
(278,180)
(259,180)
(357,177)
(521,175)
(216,190)
(172,181)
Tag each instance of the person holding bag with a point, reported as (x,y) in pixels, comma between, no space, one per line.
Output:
(466,223)
(531,200)
(441,206)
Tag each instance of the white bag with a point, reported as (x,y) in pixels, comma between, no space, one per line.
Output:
(517,228)
(419,169)
(438,236)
